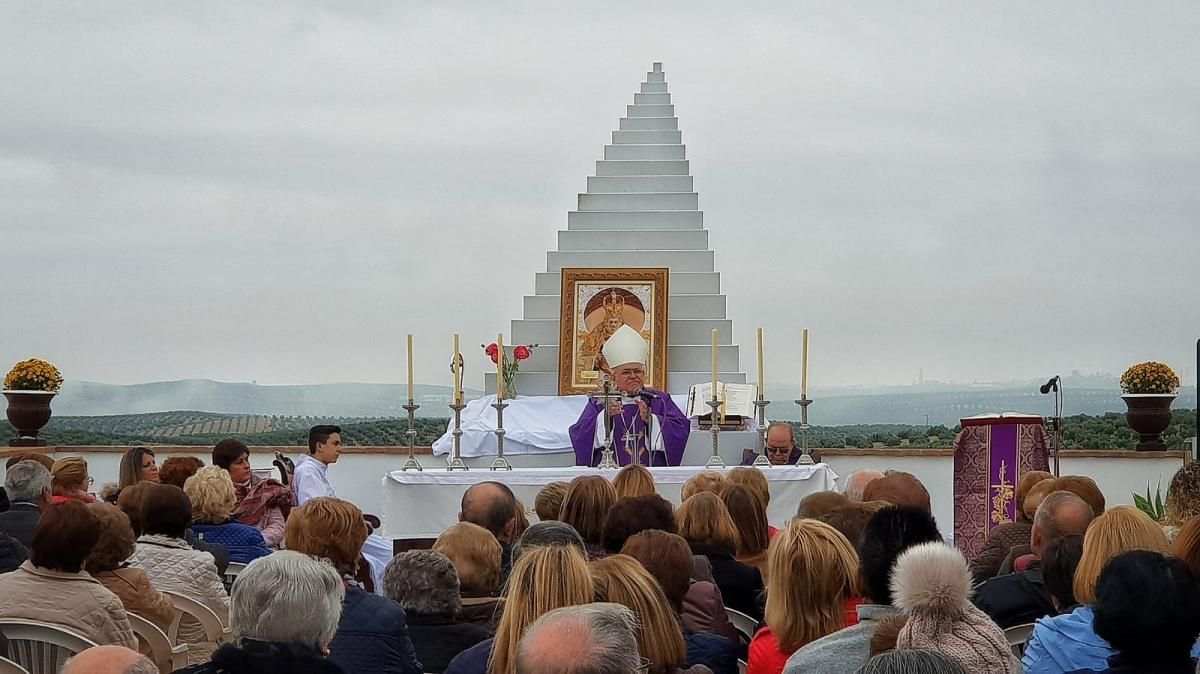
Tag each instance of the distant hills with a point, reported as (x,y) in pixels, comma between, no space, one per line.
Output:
(921,404)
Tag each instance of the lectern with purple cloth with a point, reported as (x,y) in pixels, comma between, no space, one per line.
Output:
(990,455)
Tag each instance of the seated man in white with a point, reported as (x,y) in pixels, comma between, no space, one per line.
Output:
(310,481)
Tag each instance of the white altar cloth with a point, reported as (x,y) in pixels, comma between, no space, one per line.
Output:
(423,504)
(532,425)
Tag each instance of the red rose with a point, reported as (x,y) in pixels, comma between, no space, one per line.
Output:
(522,352)
(491,350)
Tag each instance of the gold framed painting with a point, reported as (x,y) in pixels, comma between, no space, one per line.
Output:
(598,301)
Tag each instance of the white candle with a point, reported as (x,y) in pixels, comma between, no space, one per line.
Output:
(457,372)
(499,367)
(714,363)
(761,379)
(410,371)
(804,368)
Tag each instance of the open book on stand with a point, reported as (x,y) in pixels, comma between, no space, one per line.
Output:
(737,404)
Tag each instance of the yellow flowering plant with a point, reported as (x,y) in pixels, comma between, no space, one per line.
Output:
(1149,377)
(33,375)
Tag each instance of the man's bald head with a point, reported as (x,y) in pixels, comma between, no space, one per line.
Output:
(109,660)
(492,506)
(1060,514)
(602,638)
(857,482)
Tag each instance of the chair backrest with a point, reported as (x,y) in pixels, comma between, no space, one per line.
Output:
(9,667)
(286,467)
(213,625)
(1018,636)
(166,656)
(231,574)
(744,624)
(41,648)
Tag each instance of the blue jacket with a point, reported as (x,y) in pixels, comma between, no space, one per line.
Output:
(714,651)
(372,637)
(1066,643)
(244,543)
(474,660)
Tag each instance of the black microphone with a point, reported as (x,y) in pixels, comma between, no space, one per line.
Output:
(645,394)
(1051,385)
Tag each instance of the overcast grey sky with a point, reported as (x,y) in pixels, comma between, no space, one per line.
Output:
(279,191)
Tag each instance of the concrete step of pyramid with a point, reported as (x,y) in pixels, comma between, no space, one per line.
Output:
(634,220)
(688,357)
(645,167)
(652,88)
(656,77)
(675,260)
(652,239)
(650,110)
(681,282)
(686,331)
(648,124)
(661,152)
(680,307)
(633,201)
(646,137)
(546,383)
(626,184)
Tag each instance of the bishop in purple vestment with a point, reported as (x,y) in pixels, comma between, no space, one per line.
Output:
(626,353)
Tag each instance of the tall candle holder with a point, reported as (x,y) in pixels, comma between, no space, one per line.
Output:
(411,435)
(805,458)
(760,409)
(714,461)
(456,462)
(608,459)
(500,463)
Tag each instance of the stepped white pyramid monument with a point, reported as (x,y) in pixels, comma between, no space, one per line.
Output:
(640,210)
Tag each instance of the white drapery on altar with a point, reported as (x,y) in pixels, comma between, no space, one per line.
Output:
(423,504)
(532,425)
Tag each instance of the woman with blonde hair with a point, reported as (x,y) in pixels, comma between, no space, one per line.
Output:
(1068,642)
(705,480)
(634,480)
(213,503)
(585,507)
(621,579)
(69,481)
(475,554)
(705,523)
(1183,497)
(749,516)
(542,580)
(812,573)
(754,480)
(548,502)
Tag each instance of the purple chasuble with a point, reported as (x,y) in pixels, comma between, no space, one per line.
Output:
(668,420)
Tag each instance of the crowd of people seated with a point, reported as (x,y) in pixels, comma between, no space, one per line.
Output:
(610,578)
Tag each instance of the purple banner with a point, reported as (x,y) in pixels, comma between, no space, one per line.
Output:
(1003,473)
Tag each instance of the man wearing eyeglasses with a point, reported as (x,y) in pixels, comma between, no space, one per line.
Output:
(641,411)
(780,447)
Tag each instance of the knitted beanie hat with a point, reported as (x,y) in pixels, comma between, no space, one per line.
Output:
(931,584)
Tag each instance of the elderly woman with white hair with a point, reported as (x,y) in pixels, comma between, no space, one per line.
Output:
(425,584)
(285,610)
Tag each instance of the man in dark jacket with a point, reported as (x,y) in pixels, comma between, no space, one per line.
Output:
(1021,598)
(12,553)
(28,487)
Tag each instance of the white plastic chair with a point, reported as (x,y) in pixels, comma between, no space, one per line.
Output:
(213,625)
(41,648)
(167,657)
(744,624)
(231,574)
(1017,637)
(9,667)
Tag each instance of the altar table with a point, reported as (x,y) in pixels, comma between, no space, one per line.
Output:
(423,504)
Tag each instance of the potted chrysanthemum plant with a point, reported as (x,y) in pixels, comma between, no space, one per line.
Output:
(1148,390)
(29,387)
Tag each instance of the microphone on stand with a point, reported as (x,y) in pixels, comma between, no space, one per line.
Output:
(645,394)
(1051,385)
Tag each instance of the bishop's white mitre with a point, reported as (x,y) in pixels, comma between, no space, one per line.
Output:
(624,347)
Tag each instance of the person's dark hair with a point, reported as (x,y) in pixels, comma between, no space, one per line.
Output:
(177,469)
(888,534)
(1058,563)
(911,662)
(1147,607)
(550,532)
(130,469)
(165,510)
(229,450)
(495,514)
(668,558)
(850,520)
(749,514)
(634,514)
(320,434)
(64,537)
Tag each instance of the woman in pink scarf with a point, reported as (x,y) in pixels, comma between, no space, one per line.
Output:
(262,503)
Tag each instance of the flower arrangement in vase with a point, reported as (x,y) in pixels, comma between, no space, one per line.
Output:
(29,386)
(510,367)
(1148,390)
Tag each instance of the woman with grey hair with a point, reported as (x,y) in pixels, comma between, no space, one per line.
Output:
(425,584)
(284,612)
(911,662)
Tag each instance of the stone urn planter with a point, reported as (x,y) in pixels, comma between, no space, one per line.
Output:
(28,412)
(1148,415)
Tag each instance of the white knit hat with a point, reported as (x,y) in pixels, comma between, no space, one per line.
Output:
(624,347)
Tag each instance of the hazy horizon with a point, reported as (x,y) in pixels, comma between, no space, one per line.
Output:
(278,192)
